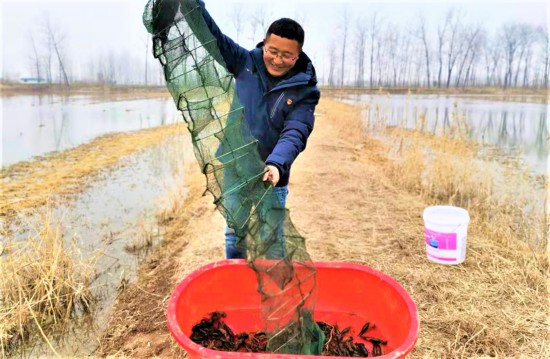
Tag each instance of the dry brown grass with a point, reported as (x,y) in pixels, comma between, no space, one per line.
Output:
(494,304)
(45,283)
(350,207)
(146,235)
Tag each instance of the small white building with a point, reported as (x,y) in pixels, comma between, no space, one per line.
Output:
(32,80)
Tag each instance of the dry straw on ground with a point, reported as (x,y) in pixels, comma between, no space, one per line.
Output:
(45,283)
(493,304)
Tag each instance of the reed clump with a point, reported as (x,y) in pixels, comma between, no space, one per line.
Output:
(45,282)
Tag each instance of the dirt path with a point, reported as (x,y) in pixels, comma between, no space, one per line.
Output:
(348,210)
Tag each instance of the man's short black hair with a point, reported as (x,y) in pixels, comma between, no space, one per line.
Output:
(288,29)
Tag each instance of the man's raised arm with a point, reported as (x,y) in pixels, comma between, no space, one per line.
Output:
(232,54)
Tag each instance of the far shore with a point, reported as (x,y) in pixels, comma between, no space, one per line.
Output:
(539,95)
(103,91)
(519,94)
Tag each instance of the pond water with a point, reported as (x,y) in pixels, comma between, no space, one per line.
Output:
(36,125)
(518,128)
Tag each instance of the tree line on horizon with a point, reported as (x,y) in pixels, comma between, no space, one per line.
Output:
(456,54)
(364,52)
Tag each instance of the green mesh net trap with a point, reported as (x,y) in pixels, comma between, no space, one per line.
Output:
(203,90)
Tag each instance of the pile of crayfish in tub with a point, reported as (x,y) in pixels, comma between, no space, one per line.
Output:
(213,333)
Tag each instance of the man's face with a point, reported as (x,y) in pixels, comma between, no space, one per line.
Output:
(280,54)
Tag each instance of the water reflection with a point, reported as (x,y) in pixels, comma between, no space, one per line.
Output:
(520,129)
(36,125)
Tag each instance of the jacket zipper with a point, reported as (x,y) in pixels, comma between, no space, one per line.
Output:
(276,104)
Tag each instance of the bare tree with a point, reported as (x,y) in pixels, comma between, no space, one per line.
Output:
(416,60)
(543,34)
(332,63)
(441,39)
(146,58)
(492,54)
(476,48)
(391,39)
(525,38)
(468,53)
(381,49)
(111,68)
(55,39)
(107,71)
(48,59)
(456,42)
(527,66)
(407,59)
(260,19)
(509,36)
(373,34)
(344,39)
(422,34)
(237,16)
(35,57)
(101,69)
(253,28)
(90,70)
(360,47)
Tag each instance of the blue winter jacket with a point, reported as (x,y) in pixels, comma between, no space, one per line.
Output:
(280,119)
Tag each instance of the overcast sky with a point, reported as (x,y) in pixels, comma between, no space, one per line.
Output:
(96,26)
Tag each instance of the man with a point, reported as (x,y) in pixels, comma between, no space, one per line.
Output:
(276,84)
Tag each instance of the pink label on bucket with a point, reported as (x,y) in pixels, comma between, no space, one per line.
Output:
(440,240)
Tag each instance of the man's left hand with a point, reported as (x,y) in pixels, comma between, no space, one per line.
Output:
(272,175)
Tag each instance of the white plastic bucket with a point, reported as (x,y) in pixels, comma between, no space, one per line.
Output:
(446,228)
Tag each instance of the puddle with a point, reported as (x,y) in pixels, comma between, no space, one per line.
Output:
(36,125)
(518,129)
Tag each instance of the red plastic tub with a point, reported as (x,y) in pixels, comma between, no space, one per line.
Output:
(348,294)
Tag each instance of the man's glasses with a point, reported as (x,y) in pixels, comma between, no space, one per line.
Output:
(283,57)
